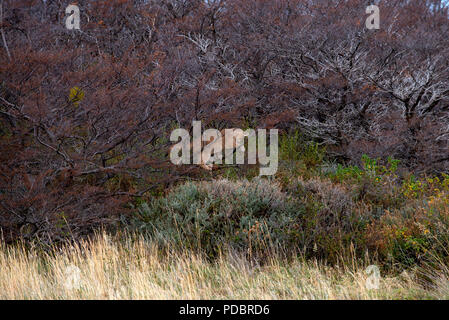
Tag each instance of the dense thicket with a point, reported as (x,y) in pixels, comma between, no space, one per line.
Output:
(85,114)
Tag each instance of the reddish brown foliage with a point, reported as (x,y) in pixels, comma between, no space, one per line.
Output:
(146,66)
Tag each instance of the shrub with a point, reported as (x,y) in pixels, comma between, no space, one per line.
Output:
(415,234)
(331,225)
(294,147)
(212,216)
(375,184)
(316,217)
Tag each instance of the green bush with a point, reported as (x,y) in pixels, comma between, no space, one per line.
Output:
(331,228)
(293,147)
(315,217)
(345,216)
(212,216)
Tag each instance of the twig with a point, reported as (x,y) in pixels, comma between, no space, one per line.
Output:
(3,33)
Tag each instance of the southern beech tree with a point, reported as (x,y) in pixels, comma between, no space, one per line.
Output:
(85,115)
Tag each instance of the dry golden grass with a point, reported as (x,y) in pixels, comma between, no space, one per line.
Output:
(135,269)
